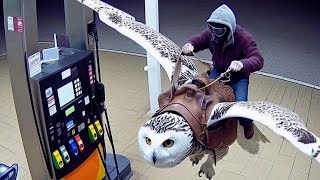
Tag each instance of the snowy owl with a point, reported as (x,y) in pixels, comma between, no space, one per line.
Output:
(167,138)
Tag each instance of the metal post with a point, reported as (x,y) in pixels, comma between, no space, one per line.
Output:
(154,76)
(23,42)
(77,17)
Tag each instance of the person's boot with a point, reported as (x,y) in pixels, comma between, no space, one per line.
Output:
(248,130)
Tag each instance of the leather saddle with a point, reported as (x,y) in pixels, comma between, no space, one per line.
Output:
(194,102)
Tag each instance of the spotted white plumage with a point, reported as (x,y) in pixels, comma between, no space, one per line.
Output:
(159,46)
(281,120)
(154,134)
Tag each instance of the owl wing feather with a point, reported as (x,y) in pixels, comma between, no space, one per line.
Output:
(281,120)
(159,46)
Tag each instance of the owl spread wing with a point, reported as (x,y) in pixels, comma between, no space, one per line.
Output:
(160,47)
(279,119)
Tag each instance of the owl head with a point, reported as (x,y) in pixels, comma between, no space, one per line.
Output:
(165,140)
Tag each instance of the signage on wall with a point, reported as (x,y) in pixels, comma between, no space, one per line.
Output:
(15,24)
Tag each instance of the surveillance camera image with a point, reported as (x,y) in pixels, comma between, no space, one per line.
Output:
(160,89)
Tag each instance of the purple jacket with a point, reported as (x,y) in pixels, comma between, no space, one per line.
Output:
(243,49)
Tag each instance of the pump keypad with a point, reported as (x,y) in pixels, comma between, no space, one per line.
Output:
(77,87)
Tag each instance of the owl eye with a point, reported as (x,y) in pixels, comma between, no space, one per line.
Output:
(168,143)
(148,141)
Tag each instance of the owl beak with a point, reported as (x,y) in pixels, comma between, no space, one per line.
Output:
(154,158)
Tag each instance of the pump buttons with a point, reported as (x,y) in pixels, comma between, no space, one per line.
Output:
(79,142)
(65,154)
(57,160)
(73,147)
(99,128)
(92,134)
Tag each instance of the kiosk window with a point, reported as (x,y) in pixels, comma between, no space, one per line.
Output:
(66,94)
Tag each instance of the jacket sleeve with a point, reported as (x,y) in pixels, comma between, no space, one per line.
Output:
(201,41)
(253,60)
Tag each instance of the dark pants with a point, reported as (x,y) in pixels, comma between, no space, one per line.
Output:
(240,89)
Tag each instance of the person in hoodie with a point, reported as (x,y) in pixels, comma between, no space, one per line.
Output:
(232,47)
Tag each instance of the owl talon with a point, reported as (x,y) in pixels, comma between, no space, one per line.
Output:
(207,168)
(199,173)
(195,158)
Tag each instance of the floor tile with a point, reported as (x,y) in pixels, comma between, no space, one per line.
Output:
(259,171)
(227,175)
(298,176)
(281,168)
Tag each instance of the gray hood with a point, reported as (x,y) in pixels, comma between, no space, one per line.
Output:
(224,15)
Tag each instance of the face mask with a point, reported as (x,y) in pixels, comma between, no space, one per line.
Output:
(220,40)
(219,32)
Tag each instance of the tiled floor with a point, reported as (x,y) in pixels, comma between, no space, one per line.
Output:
(128,105)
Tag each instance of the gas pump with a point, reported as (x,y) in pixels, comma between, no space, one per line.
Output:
(61,123)
(68,116)
(70,107)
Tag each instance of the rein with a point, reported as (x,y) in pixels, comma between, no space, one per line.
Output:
(225,74)
(222,75)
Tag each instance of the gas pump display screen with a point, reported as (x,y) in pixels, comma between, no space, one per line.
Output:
(66,94)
